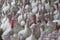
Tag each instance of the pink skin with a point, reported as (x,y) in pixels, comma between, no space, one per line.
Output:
(21,38)
(56,27)
(12,21)
(49,19)
(27,23)
(33,31)
(41,19)
(28,10)
(34,19)
(9,18)
(0,22)
(42,16)
(21,4)
(43,28)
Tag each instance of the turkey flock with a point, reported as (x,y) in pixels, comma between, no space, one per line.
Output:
(29,19)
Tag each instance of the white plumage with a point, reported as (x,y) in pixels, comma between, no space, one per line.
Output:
(37,34)
(6,8)
(5,24)
(37,17)
(4,5)
(19,11)
(56,16)
(34,10)
(25,32)
(3,20)
(47,6)
(33,4)
(13,3)
(27,6)
(40,6)
(31,37)
(57,21)
(6,35)
(43,23)
(22,23)
(50,26)
(20,18)
(54,35)
(43,35)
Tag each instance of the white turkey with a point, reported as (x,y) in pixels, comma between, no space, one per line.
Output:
(5,24)
(50,25)
(26,31)
(37,17)
(32,36)
(37,34)
(42,22)
(3,20)
(6,8)
(22,23)
(54,35)
(47,6)
(57,12)
(13,3)
(4,4)
(43,35)
(20,18)
(34,10)
(40,6)
(33,4)
(7,34)
(28,11)
(56,16)
(19,11)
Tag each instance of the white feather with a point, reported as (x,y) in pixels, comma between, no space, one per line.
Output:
(22,23)
(20,19)
(31,37)
(25,33)
(6,8)
(5,25)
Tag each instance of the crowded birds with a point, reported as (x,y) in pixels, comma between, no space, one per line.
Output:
(32,36)
(5,24)
(26,31)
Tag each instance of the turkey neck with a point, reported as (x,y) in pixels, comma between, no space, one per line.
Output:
(26,27)
(49,21)
(33,35)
